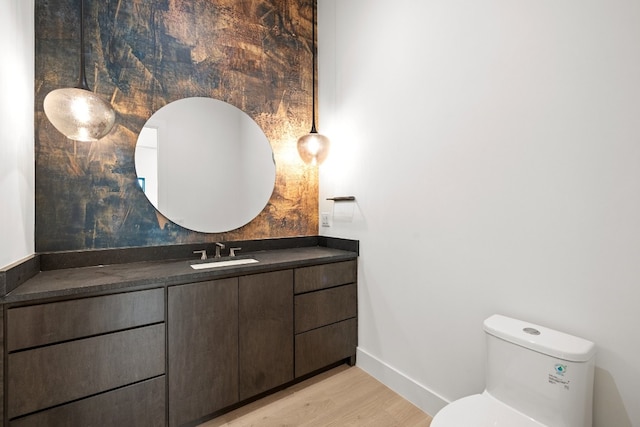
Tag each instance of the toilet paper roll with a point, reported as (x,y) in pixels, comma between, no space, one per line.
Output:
(343,211)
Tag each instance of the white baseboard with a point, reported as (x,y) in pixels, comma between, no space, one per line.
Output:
(414,392)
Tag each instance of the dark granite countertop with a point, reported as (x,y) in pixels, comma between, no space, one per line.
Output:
(148,274)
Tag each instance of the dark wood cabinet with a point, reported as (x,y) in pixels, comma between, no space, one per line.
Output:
(323,276)
(266,331)
(41,324)
(140,405)
(316,309)
(326,328)
(51,375)
(90,361)
(323,346)
(228,340)
(232,339)
(174,353)
(202,328)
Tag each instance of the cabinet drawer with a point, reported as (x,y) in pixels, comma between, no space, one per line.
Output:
(323,346)
(48,376)
(49,323)
(324,276)
(140,405)
(316,309)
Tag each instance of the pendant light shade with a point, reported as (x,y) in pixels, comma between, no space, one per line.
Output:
(313,147)
(77,112)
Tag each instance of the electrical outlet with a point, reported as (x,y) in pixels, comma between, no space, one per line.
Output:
(324,219)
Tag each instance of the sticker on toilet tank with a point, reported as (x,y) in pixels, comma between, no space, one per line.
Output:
(558,376)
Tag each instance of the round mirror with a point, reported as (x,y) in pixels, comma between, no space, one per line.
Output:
(205,165)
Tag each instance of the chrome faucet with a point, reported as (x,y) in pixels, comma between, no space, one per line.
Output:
(232,251)
(218,247)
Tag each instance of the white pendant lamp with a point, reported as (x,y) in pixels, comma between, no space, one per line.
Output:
(77,112)
(313,147)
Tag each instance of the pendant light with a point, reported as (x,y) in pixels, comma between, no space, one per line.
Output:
(77,112)
(313,147)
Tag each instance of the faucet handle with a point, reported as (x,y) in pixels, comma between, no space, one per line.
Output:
(203,252)
(232,251)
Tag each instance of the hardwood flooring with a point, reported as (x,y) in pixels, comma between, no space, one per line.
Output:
(343,396)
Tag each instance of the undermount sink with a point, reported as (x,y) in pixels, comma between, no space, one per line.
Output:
(225,263)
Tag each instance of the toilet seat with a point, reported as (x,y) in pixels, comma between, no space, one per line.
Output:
(481,410)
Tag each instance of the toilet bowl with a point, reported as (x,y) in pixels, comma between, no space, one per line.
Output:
(535,377)
(481,410)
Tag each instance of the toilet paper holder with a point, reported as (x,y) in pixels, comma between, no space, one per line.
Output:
(342,198)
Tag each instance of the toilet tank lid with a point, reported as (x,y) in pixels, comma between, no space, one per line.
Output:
(538,338)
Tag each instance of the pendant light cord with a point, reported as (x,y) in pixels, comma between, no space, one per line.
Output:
(313,69)
(82,77)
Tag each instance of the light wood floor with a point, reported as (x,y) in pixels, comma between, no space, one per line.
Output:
(343,396)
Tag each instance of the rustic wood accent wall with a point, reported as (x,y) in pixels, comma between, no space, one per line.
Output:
(141,55)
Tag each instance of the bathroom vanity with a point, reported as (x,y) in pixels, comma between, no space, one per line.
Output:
(157,342)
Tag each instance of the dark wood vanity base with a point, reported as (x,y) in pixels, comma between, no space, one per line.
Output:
(158,343)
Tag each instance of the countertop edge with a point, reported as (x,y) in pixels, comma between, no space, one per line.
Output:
(169,273)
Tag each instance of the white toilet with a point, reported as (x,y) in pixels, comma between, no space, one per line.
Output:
(535,377)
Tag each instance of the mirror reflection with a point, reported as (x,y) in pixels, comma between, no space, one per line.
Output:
(205,165)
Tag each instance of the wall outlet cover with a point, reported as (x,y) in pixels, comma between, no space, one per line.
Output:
(324,219)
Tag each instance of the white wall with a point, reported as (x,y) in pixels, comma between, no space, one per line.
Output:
(16,131)
(494,150)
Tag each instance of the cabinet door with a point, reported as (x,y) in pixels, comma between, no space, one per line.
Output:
(202,327)
(266,331)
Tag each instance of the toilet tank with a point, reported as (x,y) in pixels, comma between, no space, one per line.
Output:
(545,374)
